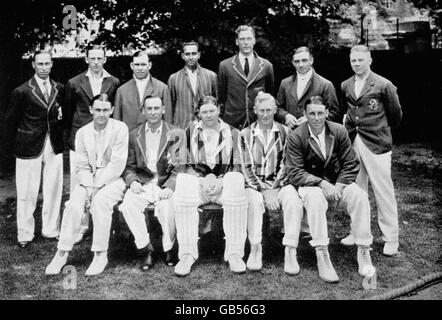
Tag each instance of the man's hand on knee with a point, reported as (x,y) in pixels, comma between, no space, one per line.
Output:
(136,187)
(165,193)
(331,192)
(271,199)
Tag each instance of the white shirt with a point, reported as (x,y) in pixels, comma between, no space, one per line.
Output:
(152,146)
(96,83)
(193,76)
(242,60)
(210,139)
(359,84)
(320,140)
(141,86)
(41,85)
(99,147)
(302,80)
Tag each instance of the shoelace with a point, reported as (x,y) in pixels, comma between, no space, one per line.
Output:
(325,257)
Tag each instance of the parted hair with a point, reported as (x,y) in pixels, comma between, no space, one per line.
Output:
(263,96)
(314,100)
(244,28)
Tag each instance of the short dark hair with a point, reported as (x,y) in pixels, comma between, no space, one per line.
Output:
(36,53)
(101,97)
(190,43)
(303,49)
(314,100)
(140,53)
(95,46)
(151,96)
(205,100)
(244,28)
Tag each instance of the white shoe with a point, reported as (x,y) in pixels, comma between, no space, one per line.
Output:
(254,262)
(391,248)
(236,264)
(348,240)
(98,264)
(57,263)
(78,238)
(365,266)
(325,267)
(184,266)
(291,265)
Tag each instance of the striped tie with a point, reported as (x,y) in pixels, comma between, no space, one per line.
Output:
(46,91)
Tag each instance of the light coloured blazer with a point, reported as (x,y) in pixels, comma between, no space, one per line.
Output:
(114,158)
(127,101)
(184,99)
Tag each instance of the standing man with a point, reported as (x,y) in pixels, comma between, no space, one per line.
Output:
(157,150)
(189,85)
(240,78)
(296,89)
(263,145)
(214,175)
(130,96)
(100,156)
(323,166)
(35,120)
(80,91)
(373,108)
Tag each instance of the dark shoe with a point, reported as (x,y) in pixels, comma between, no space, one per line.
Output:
(171,258)
(24,244)
(147,262)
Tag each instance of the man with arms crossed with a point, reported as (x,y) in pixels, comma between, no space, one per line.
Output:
(323,166)
(100,157)
(189,85)
(373,108)
(213,177)
(157,150)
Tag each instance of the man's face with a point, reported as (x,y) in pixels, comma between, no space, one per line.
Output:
(265,111)
(153,110)
(302,61)
(96,59)
(101,112)
(316,114)
(42,65)
(209,114)
(360,62)
(245,42)
(190,55)
(140,67)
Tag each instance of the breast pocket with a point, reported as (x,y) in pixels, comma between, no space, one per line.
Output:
(373,103)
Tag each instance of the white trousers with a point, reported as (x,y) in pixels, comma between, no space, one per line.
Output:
(354,200)
(292,210)
(27,176)
(188,196)
(133,207)
(377,169)
(101,209)
(73,181)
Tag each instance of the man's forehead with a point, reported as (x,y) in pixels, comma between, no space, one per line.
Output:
(208,106)
(95,53)
(266,104)
(98,104)
(245,34)
(43,57)
(316,106)
(301,55)
(141,59)
(153,102)
(359,54)
(190,48)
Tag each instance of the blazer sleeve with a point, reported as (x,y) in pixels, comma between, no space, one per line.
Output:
(270,80)
(83,169)
(281,103)
(222,88)
(130,171)
(173,95)
(349,163)
(68,107)
(331,100)
(118,105)
(13,115)
(214,85)
(167,102)
(392,106)
(296,175)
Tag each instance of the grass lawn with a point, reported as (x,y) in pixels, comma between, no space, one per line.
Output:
(417,178)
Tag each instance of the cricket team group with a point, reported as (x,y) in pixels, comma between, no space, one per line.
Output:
(206,138)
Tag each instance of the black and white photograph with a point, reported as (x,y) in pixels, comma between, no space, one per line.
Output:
(227,156)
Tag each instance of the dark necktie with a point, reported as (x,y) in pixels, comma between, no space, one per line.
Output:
(246,66)
(46,91)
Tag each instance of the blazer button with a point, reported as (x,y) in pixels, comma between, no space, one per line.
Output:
(313,166)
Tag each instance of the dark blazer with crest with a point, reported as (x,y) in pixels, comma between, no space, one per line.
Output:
(29,118)
(305,164)
(78,98)
(237,92)
(289,102)
(170,161)
(128,106)
(373,113)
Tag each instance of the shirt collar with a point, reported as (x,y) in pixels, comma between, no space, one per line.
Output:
(158,131)
(145,80)
(313,135)
(105,74)
(256,129)
(222,125)
(187,70)
(306,76)
(364,78)
(250,57)
(40,81)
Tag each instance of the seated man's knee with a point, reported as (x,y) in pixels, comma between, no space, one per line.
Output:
(233,183)
(187,188)
(355,192)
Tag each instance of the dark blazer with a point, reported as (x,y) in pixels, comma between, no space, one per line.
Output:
(29,117)
(306,165)
(237,92)
(127,101)
(78,98)
(374,113)
(289,102)
(171,156)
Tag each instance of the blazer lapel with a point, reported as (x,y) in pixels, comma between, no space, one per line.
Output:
(148,90)
(258,65)
(351,88)
(141,141)
(86,86)
(329,145)
(36,92)
(307,87)
(315,148)
(186,76)
(105,85)
(90,147)
(237,67)
(54,92)
(367,86)
(163,140)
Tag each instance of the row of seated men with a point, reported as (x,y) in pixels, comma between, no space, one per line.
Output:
(212,162)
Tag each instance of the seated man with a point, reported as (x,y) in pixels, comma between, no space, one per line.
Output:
(101,154)
(213,177)
(263,144)
(321,163)
(156,149)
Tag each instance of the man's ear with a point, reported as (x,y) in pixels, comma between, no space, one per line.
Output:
(163,109)
(104,59)
(90,109)
(326,113)
(254,110)
(85,60)
(111,111)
